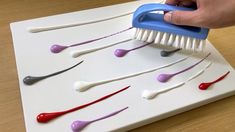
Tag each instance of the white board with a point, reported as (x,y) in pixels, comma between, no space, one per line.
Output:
(57,94)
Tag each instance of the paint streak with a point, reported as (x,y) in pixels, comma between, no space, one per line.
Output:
(46,117)
(205,86)
(58,48)
(165,77)
(42,29)
(78,125)
(79,53)
(167,53)
(82,86)
(150,94)
(30,80)
(123,52)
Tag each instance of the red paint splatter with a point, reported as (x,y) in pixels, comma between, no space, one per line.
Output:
(205,86)
(46,117)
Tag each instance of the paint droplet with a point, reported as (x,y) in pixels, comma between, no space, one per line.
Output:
(78,125)
(58,48)
(123,52)
(46,117)
(165,77)
(120,52)
(30,80)
(165,53)
(205,86)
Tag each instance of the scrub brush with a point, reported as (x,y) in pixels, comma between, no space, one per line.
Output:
(151,27)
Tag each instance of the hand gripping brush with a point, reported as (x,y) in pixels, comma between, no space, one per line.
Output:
(151,27)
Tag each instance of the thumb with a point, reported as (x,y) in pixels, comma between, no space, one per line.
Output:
(189,18)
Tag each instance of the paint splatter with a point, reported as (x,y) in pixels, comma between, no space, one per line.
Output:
(150,94)
(123,52)
(82,86)
(205,86)
(78,125)
(42,29)
(58,48)
(165,77)
(75,54)
(46,117)
(30,80)
(166,53)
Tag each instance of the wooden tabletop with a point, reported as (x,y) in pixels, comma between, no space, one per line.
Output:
(217,116)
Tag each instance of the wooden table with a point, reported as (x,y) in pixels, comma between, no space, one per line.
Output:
(217,116)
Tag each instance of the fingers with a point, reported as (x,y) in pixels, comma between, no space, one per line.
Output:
(190,18)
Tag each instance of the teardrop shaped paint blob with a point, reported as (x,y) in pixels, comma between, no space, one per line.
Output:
(205,86)
(46,117)
(120,52)
(58,48)
(165,53)
(78,125)
(30,80)
(164,77)
(123,52)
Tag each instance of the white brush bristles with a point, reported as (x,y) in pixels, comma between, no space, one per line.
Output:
(169,39)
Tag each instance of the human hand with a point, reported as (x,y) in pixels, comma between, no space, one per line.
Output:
(209,13)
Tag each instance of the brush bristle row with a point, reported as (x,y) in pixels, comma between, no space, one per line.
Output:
(169,39)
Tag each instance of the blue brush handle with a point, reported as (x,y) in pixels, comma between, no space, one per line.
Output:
(144,18)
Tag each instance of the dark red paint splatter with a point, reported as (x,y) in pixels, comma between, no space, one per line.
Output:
(46,117)
(205,86)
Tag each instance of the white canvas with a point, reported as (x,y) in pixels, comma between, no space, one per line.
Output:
(33,57)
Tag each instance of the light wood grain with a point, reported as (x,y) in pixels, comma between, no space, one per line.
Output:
(217,116)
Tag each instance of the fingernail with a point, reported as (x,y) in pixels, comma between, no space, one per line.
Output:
(168,16)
